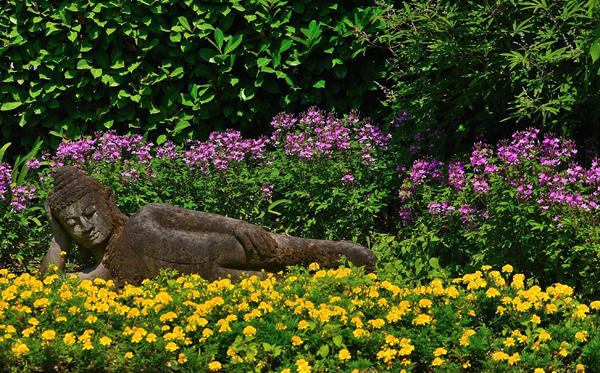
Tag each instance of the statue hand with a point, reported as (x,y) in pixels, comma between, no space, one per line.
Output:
(255,239)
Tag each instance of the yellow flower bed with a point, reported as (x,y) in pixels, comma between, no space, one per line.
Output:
(309,320)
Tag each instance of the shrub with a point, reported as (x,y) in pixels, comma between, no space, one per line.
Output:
(466,66)
(182,67)
(309,319)
(318,175)
(526,200)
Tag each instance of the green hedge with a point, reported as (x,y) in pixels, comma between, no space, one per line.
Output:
(178,66)
(466,66)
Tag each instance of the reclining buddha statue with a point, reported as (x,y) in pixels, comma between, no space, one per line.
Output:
(131,249)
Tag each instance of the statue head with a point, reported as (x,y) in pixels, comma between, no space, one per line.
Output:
(84,208)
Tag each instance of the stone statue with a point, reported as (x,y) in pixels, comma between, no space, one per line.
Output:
(131,249)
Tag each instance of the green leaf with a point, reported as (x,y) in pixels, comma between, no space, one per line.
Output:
(10,106)
(182,124)
(161,139)
(263,61)
(275,204)
(83,65)
(184,22)
(323,351)
(595,50)
(337,340)
(96,73)
(233,43)
(435,263)
(102,59)
(285,45)
(178,71)
(319,84)
(219,38)
(3,150)
(70,74)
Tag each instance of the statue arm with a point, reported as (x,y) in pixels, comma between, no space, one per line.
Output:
(61,241)
(254,239)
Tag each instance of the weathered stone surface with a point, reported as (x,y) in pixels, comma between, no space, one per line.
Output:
(131,249)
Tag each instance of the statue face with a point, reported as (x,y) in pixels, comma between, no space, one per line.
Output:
(88,221)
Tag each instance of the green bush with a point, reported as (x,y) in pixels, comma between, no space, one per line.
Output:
(526,201)
(183,67)
(465,66)
(317,176)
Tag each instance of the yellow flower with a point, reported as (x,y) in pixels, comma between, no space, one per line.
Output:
(314,266)
(492,292)
(377,323)
(49,335)
(151,337)
(535,319)
(33,321)
(467,364)
(499,356)
(580,368)
(302,324)
(20,349)
(595,305)
(510,341)
(91,319)
(437,361)
(214,366)
(581,336)
(507,268)
(182,358)
(69,339)
(538,370)
(249,330)
(422,319)
(500,310)
(486,268)
(424,303)
(440,351)
(303,366)
(544,336)
(87,346)
(169,316)
(344,355)
(296,341)
(171,346)
(514,358)
(105,341)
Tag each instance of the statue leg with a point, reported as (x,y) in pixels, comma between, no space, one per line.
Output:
(303,251)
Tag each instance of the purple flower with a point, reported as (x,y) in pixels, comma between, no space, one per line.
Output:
(347,179)
(33,163)
(456,175)
(21,196)
(426,168)
(167,151)
(406,216)
(267,190)
(5,180)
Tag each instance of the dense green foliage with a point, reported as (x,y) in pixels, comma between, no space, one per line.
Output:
(495,66)
(177,67)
